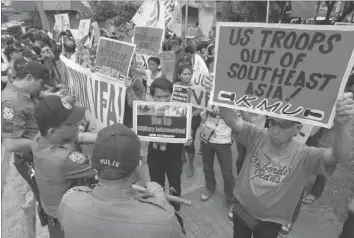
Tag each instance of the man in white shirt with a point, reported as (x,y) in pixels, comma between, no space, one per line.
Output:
(197,61)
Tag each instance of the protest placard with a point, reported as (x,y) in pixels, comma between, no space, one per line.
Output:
(148,40)
(294,72)
(165,122)
(96,32)
(192,33)
(114,58)
(180,94)
(200,90)
(104,98)
(62,22)
(84,28)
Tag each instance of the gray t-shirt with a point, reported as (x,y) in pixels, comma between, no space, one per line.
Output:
(271,181)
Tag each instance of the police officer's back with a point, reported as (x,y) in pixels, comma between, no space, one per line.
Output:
(57,163)
(113,208)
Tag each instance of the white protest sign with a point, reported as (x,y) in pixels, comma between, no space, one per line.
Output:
(84,28)
(200,90)
(180,94)
(114,57)
(62,22)
(148,40)
(104,98)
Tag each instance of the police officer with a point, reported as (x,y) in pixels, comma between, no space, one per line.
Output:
(18,125)
(57,163)
(113,209)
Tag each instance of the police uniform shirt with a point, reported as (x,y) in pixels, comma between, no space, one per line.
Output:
(112,213)
(56,166)
(17,113)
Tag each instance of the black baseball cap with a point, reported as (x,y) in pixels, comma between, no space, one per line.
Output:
(54,111)
(116,152)
(23,67)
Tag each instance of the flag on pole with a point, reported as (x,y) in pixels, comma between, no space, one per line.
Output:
(304,9)
(83,7)
(207,15)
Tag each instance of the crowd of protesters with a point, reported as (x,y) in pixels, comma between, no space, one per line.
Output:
(42,125)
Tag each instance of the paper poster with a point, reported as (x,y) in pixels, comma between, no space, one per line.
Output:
(148,40)
(84,28)
(180,94)
(113,58)
(162,121)
(104,98)
(294,72)
(62,22)
(200,90)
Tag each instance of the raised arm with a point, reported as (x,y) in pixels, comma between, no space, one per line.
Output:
(232,118)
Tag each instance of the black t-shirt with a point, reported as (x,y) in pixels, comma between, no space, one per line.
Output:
(172,151)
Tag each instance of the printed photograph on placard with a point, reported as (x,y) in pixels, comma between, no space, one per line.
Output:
(162,122)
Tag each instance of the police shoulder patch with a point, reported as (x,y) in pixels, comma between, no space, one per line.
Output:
(77,157)
(8,113)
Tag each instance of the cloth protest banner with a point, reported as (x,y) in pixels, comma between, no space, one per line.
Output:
(170,7)
(84,28)
(282,70)
(62,22)
(165,122)
(150,14)
(114,58)
(176,24)
(200,93)
(104,98)
(168,59)
(180,94)
(206,15)
(148,40)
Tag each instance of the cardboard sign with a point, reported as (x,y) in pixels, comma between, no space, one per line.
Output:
(180,94)
(283,70)
(62,22)
(114,58)
(104,98)
(200,93)
(148,40)
(84,28)
(162,121)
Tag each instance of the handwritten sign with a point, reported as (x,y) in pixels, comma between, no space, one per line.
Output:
(180,94)
(282,70)
(114,58)
(104,98)
(84,28)
(148,40)
(62,22)
(162,121)
(200,92)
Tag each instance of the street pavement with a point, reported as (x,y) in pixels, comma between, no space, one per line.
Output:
(209,219)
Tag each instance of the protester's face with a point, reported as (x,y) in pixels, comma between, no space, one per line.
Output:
(35,85)
(186,76)
(176,47)
(152,65)
(162,95)
(280,134)
(64,132)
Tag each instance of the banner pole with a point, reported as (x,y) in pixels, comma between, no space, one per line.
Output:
(268,5)
(186,20)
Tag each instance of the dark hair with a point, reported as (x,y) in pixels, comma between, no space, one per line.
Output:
(210,49)
(162,83)
(183,67)
(43,129)
(201,46)
(189,49)
(69,45)
(154,59)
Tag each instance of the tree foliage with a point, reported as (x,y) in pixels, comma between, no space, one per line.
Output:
(117,11)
